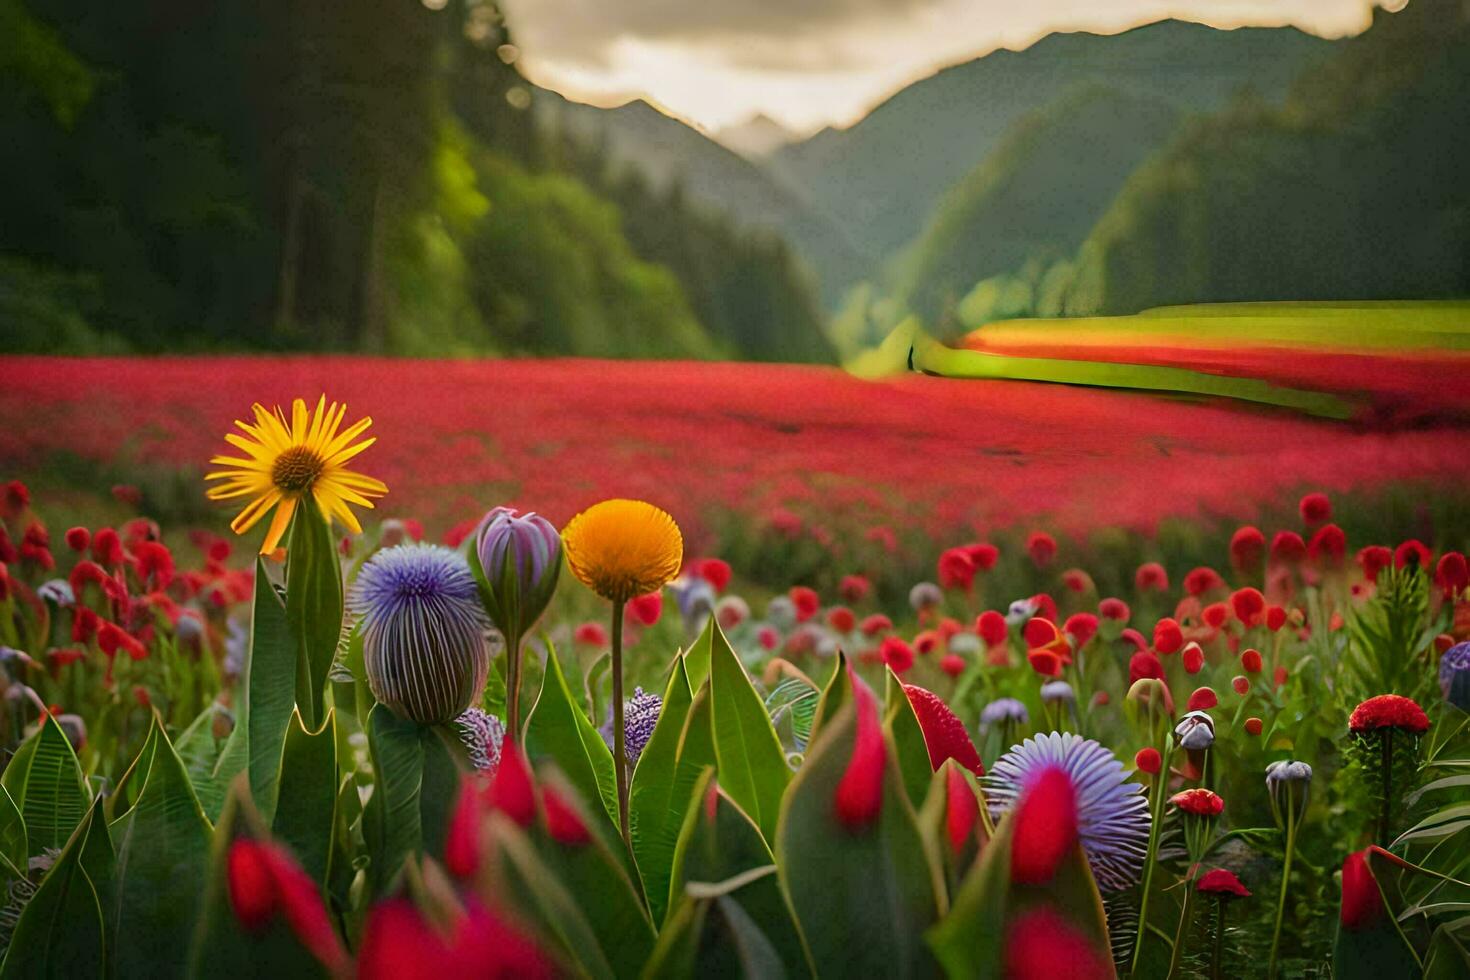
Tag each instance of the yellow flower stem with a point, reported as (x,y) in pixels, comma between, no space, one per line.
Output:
(620,756)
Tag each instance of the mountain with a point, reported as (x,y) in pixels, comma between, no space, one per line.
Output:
(1036,196)
(881,178)
(669,152)
(756,138)
(1353,189)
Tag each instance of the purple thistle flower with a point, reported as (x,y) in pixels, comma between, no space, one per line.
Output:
(640,715)
(1112,813)
(1454,675)
(520,555)
(482,734)
(423,633)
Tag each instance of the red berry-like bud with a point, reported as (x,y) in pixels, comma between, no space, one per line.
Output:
(859,796)
(1045,827)
(1148,760)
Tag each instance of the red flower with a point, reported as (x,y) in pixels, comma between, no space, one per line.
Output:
(926,642)
(1045,662)
(992,628)
(1250,661)
(1412,551)
(859,796)
(1203,699)
(107,547)
(1247,547)
(983,555)
(1374,559)
(1134,637)
(1081,627)
(1221,882)
(1279,676)
(1315,508)
(767,637)
(1151,577)
(1362,902)
(462,841)
(854,588)
(715,571)
(1249,606)
(1388,711)
(1041,944)
(841,619)
(1241,683)
(1045,827)
(1288,548)
(1046,607)
(956,569)
(263,880)
(155,564)
(1215,614)
(1115,609)
(1199,802)
(944,733)
(399,944)
(1253,726)
(16,498)
(562,821)
(1194,659)
(1148,760)
(592,634)
(952,664)
(1043,635)
(875,624)
(1452,574)
(77,538)
(1168,637)
(646,609)
(806,602)
(961,809)
(1076,580)
(1144,664)
(512,790)
(61,657)
(1328,546)
(1042,548)
(897,654)
(1275,618)
(1201,580)
(948,627)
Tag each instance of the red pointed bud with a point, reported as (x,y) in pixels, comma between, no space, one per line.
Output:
(859,796)
(462,843)
(1045,827)
(961,811)
(511,790)
(1362,903)
(1041,944)
(562,821)
(252,893)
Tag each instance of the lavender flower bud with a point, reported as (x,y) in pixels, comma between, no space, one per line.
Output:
(1454,675)
(482,734)
(1196,731)
(925,595)
(640,715)
(1290,784)
(1054,691)
(517,564)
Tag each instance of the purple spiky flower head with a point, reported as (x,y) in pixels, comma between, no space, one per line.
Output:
(519,556)
(1454,675)
(423,633)
(640,715)
(1112,813)
(482,734)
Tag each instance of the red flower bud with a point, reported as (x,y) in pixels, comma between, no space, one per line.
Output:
(1045,827)
(1249,606)
(1151,577)
(1194,659)
(1362,903)
(992,628)
(646,609)
(859,796)
(805,601)
(896,654)
(1253,726)
(77,538)
(1114,609)
(961,811)
(1144,664)
(1203,699)
(1042,945)
(1042,548)
(1250,661)
(512,790)
(562,821)
(1242,684)
(952,664)
(1168,637)
(1247,547)
(1148,760)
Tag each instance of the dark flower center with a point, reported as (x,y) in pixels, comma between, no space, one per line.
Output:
(296,469)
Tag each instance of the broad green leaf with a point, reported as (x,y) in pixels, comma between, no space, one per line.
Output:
(60,933)
(392,820)
(201,752)
(836,693)
(1447,958)
(752,764)
(720,844)
(697,657)
(558,731)
(162,855)
(306,809)
(270,691)
(862,898)
(655,803)
(13,846)
(440,788)
(45,781)
(908,739)
(714,937)
(313,606)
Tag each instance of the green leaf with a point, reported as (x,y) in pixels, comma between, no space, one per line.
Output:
(1447,958)
(655,803)
(45,781)
(201,753)
(713,937)
(392,820)
(558,731)
(697,657)
(270,692)
(14,849)
(162,855)
(313,605)
(752,764)
(836,693)
(61,932)
(307,803)
(863,899)
(908,739)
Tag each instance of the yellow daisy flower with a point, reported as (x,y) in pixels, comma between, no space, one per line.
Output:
(623,548)
(289,459)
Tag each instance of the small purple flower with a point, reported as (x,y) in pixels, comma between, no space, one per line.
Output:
(1112,813)
(423,633)
(640,715)
(1454,675)
(925,595)
(520,556)
(482,734)
(1003,710)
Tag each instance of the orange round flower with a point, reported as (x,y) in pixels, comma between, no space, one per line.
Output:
(621,549)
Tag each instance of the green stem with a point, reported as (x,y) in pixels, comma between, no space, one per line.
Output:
(1157,788)
(620,757)
(1182,933)
(513,685)
(1384,815)
(1285,883)
(1215,957)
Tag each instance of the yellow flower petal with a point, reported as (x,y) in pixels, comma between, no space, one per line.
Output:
(623,548)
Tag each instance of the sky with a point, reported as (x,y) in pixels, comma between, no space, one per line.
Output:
(813,63)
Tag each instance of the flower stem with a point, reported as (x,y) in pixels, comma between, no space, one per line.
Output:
(620,757)
(1157,788)
(1215,957)
(1182,933)
(513,685)
(1387,777)
(1285,883)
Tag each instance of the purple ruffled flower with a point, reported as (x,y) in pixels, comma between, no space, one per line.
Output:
(482,734)
(640,715)
(1112,813)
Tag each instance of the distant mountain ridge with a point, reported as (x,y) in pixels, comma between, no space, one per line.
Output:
(756,138)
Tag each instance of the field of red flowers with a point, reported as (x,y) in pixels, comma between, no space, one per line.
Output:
(795,447)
